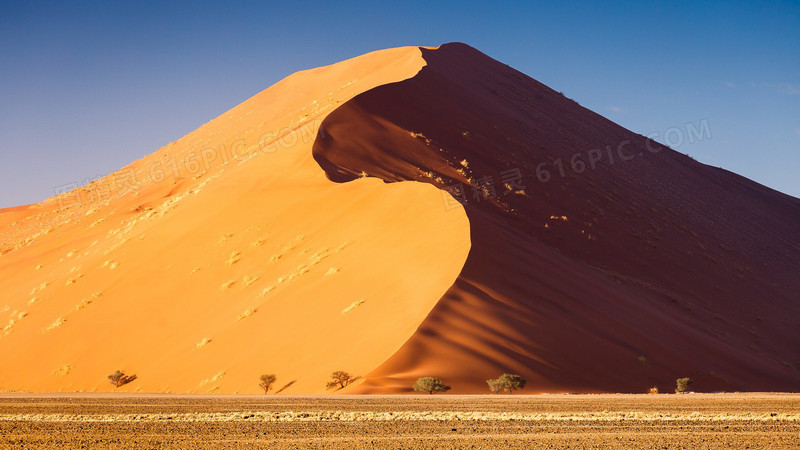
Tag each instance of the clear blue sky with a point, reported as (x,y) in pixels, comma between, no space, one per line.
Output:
(89,87)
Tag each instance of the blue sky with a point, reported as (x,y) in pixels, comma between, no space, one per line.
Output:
(88,87)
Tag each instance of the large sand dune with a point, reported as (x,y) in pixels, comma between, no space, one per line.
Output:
(309,230)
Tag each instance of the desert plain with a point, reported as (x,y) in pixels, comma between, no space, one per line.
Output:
(739,420)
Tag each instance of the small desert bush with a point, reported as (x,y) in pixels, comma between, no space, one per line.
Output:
(340,379)
(266,381)
(119,378)
(682,384)
(507,382)
(653,390)
(430,385)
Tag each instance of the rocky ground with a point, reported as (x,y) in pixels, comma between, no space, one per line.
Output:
(439,421)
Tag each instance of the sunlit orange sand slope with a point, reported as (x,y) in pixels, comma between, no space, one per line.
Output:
(316,227)
(240,258)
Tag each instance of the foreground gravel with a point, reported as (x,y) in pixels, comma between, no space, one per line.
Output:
(542,421)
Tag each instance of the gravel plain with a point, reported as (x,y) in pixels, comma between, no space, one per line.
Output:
(439,421)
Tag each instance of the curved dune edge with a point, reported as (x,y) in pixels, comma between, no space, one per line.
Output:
(615,279)
(228,254)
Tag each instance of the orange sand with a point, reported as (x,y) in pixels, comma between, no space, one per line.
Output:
(139,281)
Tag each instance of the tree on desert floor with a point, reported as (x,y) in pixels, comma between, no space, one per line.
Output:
(430,385)
(119,378)
(340,379)
(682,384)
(495,386)
(266,381)
(507,382)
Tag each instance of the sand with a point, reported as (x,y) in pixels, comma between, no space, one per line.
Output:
(315,228)
(228,255)
(617,276)
(548,421)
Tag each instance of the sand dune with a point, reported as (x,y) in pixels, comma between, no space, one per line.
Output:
(244,259)
(315,228)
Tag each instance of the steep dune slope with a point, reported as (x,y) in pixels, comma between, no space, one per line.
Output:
(600,261)
(228,254)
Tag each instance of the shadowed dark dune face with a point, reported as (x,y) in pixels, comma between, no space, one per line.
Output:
(600,260)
